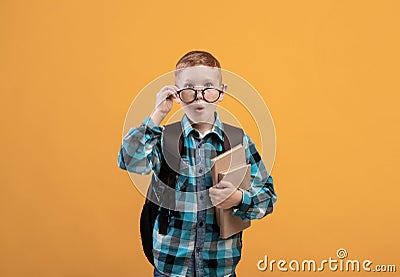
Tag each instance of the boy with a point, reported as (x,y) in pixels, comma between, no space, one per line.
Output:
(192,246)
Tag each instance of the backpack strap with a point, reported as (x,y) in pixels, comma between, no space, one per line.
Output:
(169,170)
(232,136)
(172,147)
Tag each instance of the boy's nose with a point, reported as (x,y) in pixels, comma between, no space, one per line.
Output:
(199,93)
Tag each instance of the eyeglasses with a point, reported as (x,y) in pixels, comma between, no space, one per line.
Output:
(189,95)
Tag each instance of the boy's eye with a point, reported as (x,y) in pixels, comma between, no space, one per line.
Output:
(208,85)
(189,86)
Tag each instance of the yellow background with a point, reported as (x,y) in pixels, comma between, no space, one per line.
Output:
(328,71)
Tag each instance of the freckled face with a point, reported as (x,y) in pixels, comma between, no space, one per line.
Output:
(199,77)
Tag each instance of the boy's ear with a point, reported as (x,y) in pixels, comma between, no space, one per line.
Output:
(224,88)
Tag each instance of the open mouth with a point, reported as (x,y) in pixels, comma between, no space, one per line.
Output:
(199,109)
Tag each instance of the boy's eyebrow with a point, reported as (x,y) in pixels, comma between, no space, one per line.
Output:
(191,81)
(188,81)
(209,80)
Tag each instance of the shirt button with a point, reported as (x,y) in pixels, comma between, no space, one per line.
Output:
(201,224)
(200,170)
(201,197)
(198,249)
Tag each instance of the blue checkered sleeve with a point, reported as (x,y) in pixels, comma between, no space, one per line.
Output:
(140,150)
(259,200)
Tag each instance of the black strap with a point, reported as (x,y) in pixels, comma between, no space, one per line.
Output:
(232,136)
(173,143)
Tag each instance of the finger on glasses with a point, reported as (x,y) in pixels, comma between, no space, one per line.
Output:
(167,91)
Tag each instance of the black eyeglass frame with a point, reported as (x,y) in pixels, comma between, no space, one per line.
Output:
(202,93)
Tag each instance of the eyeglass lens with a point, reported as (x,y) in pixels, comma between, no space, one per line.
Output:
(189,95)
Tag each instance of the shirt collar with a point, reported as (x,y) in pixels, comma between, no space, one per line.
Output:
(217,127)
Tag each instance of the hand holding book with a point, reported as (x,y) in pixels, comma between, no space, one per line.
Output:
(229,172)
(225,195)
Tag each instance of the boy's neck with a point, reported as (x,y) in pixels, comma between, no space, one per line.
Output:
(202,127)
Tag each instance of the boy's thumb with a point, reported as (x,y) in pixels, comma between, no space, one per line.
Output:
(220,185)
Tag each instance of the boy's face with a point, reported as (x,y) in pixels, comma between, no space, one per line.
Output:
(200,77)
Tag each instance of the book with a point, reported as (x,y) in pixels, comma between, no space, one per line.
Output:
(231,166)
(229,223)
(234,157)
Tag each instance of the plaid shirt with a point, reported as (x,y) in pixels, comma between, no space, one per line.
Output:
(141,153)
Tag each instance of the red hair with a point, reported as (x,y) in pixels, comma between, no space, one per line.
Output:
(197,57)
